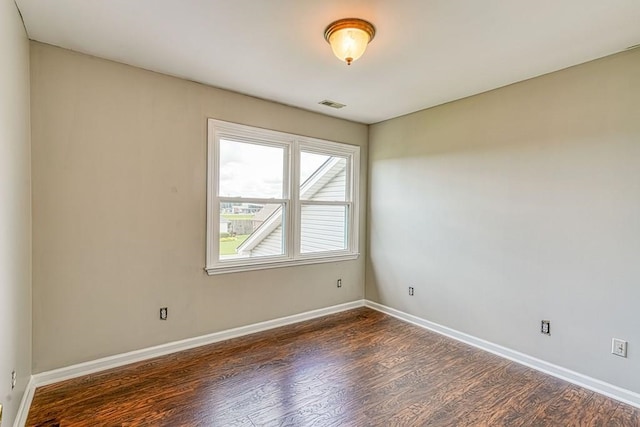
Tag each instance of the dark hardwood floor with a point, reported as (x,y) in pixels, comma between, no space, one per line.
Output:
(356,368)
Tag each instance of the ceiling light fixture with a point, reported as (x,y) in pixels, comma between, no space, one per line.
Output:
(349,38)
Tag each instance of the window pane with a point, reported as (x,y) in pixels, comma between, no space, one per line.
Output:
(323,177)
(249,230)
(250,170)
(323,228)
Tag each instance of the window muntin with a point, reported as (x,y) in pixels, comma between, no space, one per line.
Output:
(258,218)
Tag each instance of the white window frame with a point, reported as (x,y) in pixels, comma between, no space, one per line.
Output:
(293,145)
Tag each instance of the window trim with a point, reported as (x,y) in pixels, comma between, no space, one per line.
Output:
(292,205)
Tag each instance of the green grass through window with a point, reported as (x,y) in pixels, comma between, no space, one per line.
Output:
(228,245)
(238,216)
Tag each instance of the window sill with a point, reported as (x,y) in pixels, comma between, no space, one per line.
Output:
(224,269)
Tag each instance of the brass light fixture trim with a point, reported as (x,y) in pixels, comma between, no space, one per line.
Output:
(356,47)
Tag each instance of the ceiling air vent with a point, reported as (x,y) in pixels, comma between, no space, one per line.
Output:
(331,104)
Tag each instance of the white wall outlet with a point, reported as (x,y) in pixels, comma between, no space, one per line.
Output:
(619,347)
(339,283)
(545,327)
(14,379)
(164,313)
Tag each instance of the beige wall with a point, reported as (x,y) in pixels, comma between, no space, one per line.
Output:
(119,192)
(15,210)
(514,206)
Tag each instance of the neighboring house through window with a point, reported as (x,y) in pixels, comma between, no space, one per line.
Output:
(292,198)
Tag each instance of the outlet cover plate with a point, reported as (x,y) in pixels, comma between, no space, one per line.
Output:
(545,327)
(619,347)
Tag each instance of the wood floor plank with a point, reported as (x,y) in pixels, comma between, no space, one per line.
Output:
(356,368)
(596,412)
(478,404)
(519,409)
(449,400)
(565,406)
(625,415)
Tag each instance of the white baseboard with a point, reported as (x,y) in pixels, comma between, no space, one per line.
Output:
(25,404)
(73,371)
(609,390)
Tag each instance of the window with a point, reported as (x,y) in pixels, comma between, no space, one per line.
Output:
(276,199)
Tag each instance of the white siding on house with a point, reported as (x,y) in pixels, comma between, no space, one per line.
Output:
(322,228)
(334,190)
(270,245)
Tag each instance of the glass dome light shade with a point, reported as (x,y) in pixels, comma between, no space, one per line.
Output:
(349,38)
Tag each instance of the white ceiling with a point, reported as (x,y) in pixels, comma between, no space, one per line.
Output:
(425,53)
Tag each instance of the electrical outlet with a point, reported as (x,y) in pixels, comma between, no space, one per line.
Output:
(164,313)
(411,290)
(545,327)
(339,283)
(14,379)
(619,347)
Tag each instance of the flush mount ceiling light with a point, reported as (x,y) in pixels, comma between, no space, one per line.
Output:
(349,38)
